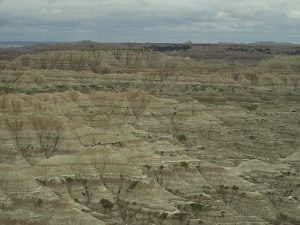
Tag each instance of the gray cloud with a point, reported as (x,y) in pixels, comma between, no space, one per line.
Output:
(151,20)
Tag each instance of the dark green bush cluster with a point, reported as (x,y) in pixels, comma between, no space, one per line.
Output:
(252,107)
(184,164)
(133,185)
(148,167)
(163,216)
(197,206)
(179,216)
(6,89)
(106,204)
(181,138)
(234,187)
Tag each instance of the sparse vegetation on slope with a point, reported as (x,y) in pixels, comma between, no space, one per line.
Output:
(130,136)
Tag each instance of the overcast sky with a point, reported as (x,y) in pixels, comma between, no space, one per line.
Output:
(150,20)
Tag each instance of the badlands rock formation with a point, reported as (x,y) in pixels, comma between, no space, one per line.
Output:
(132,136)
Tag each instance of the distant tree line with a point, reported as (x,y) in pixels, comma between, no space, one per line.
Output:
(172,47)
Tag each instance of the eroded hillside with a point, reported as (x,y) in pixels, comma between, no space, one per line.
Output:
(132,136)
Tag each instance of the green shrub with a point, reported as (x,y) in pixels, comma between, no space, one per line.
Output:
(282,216)
(181,138)
(6,89)
(60,87)
(179,216)
(184,164)
(196,206)
(163,216)
(147,167)
(252,107)
(234,187)
(203,88)
(30,91)
(133,185)
(106,204)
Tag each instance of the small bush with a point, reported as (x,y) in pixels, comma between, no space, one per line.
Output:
(222,213)
(69,179)
(106,204)
(251,137)
(30,91)
(6,89)
(148,167)
(60,88)
(184,164)
(179,216)
(282,216)
(234,187)
(163,216)
(197,206)
(181,138)
(39,203)
(133,185)
(252,107)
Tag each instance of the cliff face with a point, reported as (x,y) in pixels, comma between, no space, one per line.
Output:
(136,137)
